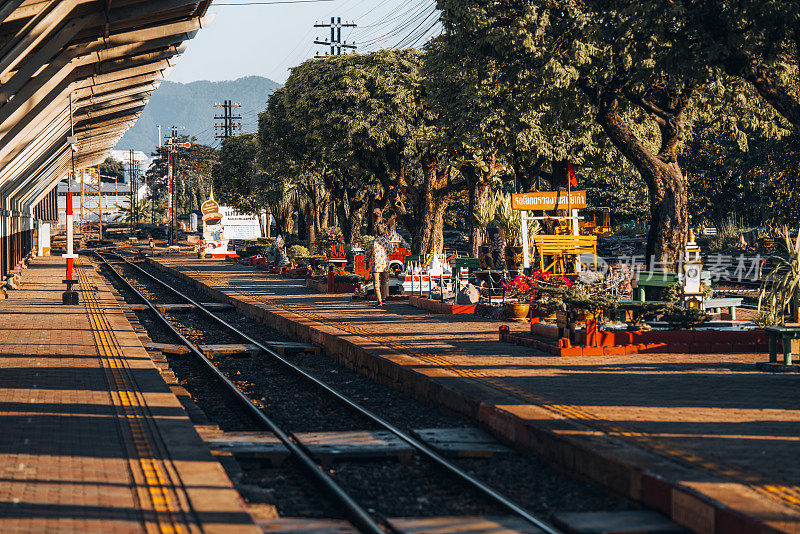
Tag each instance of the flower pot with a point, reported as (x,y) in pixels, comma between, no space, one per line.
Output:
(513,258)
(201,253)
(517,311)
(485,257)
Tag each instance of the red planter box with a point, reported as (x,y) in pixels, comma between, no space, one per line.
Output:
(653,342)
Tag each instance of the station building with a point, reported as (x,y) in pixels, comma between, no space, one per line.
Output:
(74,76)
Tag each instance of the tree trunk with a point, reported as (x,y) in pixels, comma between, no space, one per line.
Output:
(377,205)
(430,202)
(669,221)
(312,221)
(354,219)
(434,242)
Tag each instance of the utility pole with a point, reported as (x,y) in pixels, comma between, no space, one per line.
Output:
(230,122)
(171,177)
(336,43)
(133,173)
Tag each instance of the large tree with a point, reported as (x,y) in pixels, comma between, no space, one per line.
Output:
(755,40)
(639,64)
(499,123)
(236,177)
(111,170)
(367,119)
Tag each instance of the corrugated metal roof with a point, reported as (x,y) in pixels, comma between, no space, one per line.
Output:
(101,58)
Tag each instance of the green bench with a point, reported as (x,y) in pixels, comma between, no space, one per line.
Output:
(661,279)
(471,264)
(728,302)
(785,334)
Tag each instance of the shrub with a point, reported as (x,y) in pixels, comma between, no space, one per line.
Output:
(364,240)
(298,252)
(781,285)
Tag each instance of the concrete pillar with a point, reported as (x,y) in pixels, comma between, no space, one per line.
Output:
(43,239)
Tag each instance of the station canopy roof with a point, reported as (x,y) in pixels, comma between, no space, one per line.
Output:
(83,66)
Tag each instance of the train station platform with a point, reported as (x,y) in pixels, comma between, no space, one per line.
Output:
(91,437)
(707,439)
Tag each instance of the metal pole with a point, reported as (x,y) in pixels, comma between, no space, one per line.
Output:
(70,230)
(526,260)
(169,179)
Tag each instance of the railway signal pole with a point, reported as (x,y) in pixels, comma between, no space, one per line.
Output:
(230,123)
(336,43)
(171,144)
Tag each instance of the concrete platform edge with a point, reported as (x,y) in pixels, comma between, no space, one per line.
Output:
(208,489)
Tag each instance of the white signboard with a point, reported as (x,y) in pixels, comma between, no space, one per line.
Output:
(238,225)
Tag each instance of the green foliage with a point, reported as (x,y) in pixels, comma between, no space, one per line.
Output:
(192,174)
(641,311)
(683,318)
(112,170)
(485,213)
(727,237)
(298,252)
(234,176)
(510,220)
(364,241)
(779,288)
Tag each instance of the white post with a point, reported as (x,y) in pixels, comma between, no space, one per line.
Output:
(526,260)
(576,232)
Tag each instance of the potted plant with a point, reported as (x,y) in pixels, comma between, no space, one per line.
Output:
(519,289)
(200,248)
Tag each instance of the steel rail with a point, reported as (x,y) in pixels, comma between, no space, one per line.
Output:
(442,462)
(359,517)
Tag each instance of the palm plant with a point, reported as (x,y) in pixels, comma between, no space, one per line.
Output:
(485,213)
(510,220)
(779,288)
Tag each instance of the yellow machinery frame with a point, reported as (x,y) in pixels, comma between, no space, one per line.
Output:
(564,251)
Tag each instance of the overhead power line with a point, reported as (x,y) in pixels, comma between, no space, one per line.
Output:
(271,2)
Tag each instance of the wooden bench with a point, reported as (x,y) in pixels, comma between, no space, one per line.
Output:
(729,302)
(785,334)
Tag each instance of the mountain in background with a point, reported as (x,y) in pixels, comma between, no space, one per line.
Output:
(191,105)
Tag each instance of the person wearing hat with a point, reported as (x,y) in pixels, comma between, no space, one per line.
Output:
(377,254)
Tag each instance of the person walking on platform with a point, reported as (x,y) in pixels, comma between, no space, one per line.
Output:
(377,254)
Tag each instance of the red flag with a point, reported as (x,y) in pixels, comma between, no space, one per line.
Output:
(573,180)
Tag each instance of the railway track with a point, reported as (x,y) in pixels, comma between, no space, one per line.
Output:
(361,518)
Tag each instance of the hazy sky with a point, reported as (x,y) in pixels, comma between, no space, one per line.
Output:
(266,40)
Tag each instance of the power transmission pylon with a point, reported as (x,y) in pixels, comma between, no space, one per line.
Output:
(336,43)
(230,122)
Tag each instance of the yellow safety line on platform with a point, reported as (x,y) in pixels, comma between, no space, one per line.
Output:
(787,494)
(131,409)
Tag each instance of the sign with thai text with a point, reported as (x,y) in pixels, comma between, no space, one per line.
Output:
(549,200)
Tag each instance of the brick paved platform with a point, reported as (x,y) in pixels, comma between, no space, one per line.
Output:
(91,437)
(707,439)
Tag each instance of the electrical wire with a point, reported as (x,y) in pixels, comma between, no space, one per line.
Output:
(269,3)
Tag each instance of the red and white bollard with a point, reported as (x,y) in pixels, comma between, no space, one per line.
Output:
(70,296)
